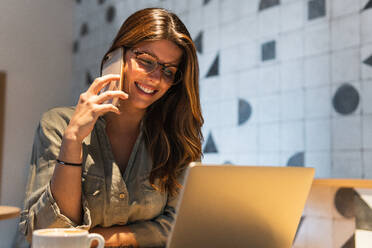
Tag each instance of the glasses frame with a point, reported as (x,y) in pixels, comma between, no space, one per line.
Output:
(163,66)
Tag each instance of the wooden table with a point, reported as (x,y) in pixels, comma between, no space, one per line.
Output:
(8,212)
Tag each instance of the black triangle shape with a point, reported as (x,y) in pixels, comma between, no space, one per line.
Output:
(214,69)
(210,146)
(199,42)
(368,5)
(368,61)
(206,2)
(265,4)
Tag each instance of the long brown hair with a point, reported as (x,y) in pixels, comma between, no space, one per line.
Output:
(172,125)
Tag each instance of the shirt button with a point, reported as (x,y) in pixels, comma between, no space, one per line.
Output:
(122,195)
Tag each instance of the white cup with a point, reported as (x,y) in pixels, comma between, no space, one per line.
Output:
(65,237)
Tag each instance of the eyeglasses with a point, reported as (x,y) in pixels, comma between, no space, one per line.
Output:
(148,64)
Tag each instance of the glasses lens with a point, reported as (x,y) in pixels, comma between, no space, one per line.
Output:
(147,62)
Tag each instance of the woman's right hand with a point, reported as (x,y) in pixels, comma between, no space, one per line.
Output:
(90,106)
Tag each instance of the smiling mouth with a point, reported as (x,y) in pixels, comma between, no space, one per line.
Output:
(144,89)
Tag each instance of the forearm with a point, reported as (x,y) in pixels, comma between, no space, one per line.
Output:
(117,236)
(66,180)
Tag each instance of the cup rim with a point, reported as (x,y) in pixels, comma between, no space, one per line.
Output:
(53,231)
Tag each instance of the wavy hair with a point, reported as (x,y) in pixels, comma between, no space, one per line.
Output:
(172,125)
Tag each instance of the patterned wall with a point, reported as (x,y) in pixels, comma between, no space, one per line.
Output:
(284,82)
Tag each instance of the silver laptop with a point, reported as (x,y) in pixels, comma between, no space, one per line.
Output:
(240,206)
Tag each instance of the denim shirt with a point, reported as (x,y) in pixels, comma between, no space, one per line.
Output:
(108,197)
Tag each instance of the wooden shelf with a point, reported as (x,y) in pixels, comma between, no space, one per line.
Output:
(347,183)
(8,212)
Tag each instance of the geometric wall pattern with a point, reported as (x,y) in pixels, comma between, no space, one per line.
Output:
(282,82)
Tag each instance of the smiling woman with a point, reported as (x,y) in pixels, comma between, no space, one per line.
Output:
(117,170)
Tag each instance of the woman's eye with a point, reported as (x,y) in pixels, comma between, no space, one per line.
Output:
(169,73)
(146,62)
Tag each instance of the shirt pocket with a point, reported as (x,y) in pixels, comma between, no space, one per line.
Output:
(93,192)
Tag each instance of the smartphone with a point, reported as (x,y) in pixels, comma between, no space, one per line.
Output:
(113,64)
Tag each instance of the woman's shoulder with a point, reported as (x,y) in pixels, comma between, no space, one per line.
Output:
(57,117)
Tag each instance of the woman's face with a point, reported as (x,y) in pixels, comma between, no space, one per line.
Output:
(145,88)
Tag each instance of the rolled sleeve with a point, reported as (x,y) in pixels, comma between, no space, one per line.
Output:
(45,213)
(40,208)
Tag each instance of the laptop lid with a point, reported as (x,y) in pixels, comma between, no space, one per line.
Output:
(240,206)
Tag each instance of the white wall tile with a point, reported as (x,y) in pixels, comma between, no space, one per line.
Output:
(366,97)
(269,137)
(180,6)
(291,75)
(226,138)
(247,139)
(249,55)
(248,28)
(317,70)
(269,80)
(345,32)
(317,39)
(194,21)
(268,108)
(367,164)
(211,14)
(318,102)
(269,158)
(318,135)
(229,35)
(229,111)
(247,159)
(211,41)
(347,164)
(228,86)
(344,7)
(247,8)
(366,31)
(268,21)
(248,83)
(292,105)
(346,133)
(292,136)
(230,60)
(367,132)
(229,10)
(205,62)
(291,45)
(345,66)
(210,89)
(321,162)
(292,16)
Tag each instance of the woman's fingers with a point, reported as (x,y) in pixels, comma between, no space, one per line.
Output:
(100,82)
(107,95)
(104,108)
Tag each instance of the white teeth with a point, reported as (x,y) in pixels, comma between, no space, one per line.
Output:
(146,90)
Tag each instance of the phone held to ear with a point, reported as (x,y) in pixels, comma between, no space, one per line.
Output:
(113,64)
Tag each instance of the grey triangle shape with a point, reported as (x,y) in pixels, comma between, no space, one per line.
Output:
(206,2)
(368,61)
(210,146)
(297,160)
(199,42)
(214,69)
(368,5)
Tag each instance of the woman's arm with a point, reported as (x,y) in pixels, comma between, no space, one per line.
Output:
(66,181)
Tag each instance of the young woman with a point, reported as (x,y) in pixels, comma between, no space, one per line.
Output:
(117,170)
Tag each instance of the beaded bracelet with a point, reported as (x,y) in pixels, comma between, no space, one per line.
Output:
(71,164)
